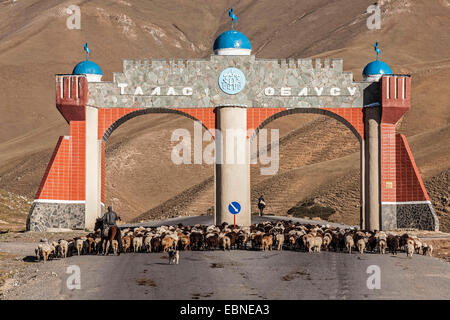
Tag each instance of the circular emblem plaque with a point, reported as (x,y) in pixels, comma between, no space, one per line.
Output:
(231,80)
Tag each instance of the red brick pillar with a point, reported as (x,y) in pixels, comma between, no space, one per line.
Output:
(60,199)
(404,200)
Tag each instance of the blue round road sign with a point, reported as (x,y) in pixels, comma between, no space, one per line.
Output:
(234,207)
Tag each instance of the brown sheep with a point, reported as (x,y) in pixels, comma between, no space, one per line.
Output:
(156,244)
(167,243)
(212,240)
(185,242)
(98,245)
(197,240)
(127,242)
(327,241)
(393,243)
(292,241)
(266,243)
(256,240)
(233,237)
(241,241)
(90,243)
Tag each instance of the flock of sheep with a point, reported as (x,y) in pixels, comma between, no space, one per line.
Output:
(262,236)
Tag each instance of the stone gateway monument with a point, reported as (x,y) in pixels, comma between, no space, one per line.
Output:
(233,90)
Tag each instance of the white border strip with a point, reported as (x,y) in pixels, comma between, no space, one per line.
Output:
(59,201)
(408,202)
(63,201)
(232,52)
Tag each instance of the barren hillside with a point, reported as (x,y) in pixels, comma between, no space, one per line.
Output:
(319,156)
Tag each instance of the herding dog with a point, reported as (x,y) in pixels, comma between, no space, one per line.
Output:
(174,256)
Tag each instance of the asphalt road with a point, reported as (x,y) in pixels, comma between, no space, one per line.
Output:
(239,274)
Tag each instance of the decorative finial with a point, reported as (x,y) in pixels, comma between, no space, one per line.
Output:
(232,16)
(377,50)
(87,50)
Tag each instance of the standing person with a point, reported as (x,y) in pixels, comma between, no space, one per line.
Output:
(109,220)
(261,205)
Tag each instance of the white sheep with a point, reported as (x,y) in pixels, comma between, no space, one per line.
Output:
(312,242)
(382,244)
(417,245)
(115,246)
(79,243)
(349,243)
(137,244)
(47,251)
(361,244)
(280,241)
(224,242)
(409,248)
(381,235)
(63,247)
(317,244)
(54,244)
(308,241)
(427,249)
(148,243)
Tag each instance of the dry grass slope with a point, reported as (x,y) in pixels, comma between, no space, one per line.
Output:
(319,156)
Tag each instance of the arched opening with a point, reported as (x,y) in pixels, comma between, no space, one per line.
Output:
(140,112)
(319,174)
(139,178)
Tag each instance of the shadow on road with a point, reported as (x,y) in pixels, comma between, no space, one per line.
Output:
(29,259)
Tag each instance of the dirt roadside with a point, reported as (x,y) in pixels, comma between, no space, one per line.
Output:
(17,258)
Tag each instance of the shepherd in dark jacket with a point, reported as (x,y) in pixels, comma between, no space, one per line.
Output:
(261,205)
(109,220)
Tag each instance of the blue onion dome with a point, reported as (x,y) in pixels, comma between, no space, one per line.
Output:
(377,67)
(87,67)
(90,69)
(232,42)
(374,70)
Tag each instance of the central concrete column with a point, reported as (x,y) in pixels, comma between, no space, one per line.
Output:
(93,169)
(232,165)
(372,167)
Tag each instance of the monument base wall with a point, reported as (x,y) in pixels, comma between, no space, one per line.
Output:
(45,215)
(414,214)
